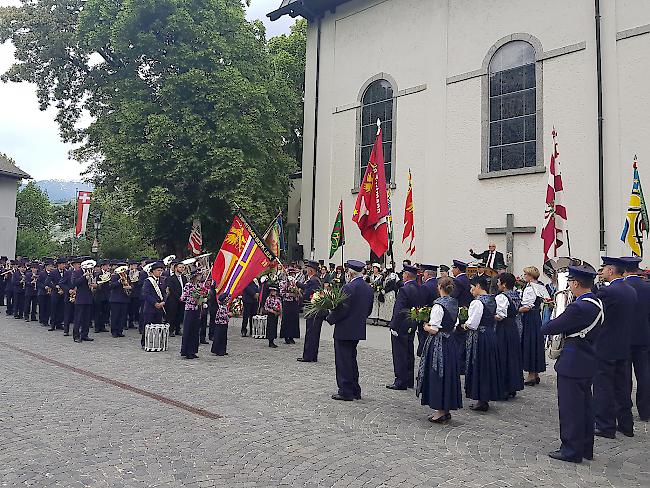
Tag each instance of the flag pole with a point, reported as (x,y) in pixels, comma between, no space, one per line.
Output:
(74,220)
(568,242)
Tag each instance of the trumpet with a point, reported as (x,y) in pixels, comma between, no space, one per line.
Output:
(73,295)
(122,272)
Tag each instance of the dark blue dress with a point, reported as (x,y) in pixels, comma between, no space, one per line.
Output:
(482,373)
(508,345)
(532,340)
(439,377)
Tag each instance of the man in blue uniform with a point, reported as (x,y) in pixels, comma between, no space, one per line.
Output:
(68,306)
(349,320)
(43,292)
(580,323)
(3,281)
(153,305)
(31,300)
(57,294)
(18,282)
(102,309)
(613,380)
(250,303)
(429,289)
(402,330)
(314,324)
(119,300)
(464,296)
(136,289)
(83,304)
(640,340)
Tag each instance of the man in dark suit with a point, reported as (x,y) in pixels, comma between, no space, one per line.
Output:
(494,287)
(580,323)
(464,296)
(153,303)
(18,283)
(173,286)
(102,309)
(57,294)
(119,300)
(429,291)
(134,305)
(640,340)
(42,293)
(314,323)
(68,306)
(349,320)
(491,257)
(402,330)
(250,300)
(613,380)
(83,304)
(31,297)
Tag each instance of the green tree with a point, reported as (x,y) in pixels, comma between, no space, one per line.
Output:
(184,100)
(33,208)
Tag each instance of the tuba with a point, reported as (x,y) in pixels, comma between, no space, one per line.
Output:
(122,272)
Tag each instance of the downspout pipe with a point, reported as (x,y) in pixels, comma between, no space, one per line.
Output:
(601,153)
(313,171)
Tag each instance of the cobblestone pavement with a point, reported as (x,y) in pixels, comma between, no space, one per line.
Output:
(278,425)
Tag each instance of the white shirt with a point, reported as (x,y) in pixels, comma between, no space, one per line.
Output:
(502,305)
(437,313)
(475,313)
(531,292)
(490,259)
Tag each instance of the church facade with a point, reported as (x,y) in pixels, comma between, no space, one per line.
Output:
(10,178)
(469,93)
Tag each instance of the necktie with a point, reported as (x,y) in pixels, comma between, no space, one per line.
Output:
(490,260)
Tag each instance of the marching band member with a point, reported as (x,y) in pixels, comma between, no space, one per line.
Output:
(102,294)
(68,304)
(18,282)
(174,284)
(43,292)
(190,342)
(250,297)
(83,303)
(313,324)
(272,309)
(532,340)
(220,337)
(119,299)
(153,305)
(508,341)
(291,296)
(463,295)
(429,291)
(439,378)
(55,283)
(31,300)
(136,289)
(3,281)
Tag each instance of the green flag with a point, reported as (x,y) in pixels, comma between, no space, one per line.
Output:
(338,233)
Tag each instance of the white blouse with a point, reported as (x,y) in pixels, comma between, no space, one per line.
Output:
(475,313)
(531,292)
(502,305)
(437,313)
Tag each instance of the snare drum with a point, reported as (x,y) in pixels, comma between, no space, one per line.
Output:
(156,337)
(259,327)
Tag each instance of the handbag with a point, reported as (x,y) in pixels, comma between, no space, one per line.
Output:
(557,341)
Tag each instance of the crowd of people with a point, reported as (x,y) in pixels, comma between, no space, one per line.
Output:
(488,327)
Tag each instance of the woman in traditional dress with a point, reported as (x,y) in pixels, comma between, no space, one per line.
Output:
(190,342)
(532,340)
(220,334)
(291,300)
(439,377)
(482,375)
(508,342)
(272,309)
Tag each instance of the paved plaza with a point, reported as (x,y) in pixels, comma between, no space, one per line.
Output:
(106,414)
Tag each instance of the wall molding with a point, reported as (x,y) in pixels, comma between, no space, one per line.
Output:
(635,31)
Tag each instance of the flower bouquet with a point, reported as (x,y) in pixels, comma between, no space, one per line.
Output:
(419,314)
(236,307)
(324,300)
(463,315)
(200,294)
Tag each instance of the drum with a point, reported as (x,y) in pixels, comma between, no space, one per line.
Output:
(156,337)
(259,327)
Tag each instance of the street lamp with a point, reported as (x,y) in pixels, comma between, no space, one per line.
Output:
(97,224)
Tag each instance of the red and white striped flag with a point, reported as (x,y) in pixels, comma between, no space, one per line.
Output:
(555,215)
(196,239)
(409,224)
(83,210)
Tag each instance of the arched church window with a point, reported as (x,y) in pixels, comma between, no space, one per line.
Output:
(377,103)
(512,107)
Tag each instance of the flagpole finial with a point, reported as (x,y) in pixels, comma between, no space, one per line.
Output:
(378,125)
(635,162)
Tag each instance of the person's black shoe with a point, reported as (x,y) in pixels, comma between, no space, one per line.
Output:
(171,334)
(243,333)
(357,397)
(588,457)
(26,320)
(395,387)
(120,335)
(51,329)
(273,345)
(76,340)
(88,339)
(606,435)
(336,396)
(626,433)
(115,336)
(480,407)
(561,457)
(303,360)
(205,342)
(440,420)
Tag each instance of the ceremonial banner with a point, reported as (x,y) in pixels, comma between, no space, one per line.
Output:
(83,210)
(555,215)
(273,238)
(196,239)
(409,225)
(231,249)
(636,219)
(337,239)
(371,209)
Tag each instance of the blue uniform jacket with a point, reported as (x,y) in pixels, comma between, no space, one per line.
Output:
(30,289)
(349,318)
(461,290)
(309,287)
(66,282)
(248,295)
(136,289)
(118,295)
(150,298)
(619,300)
(84,294)
(17,282)
(41,282)
(641,322)
(429,291)
(578,358)
(408,296)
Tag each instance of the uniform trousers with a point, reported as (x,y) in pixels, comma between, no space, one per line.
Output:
(312,338)
(613,395)
(403,359)
(118,317)
(575,407)
(134,311)
(2,293)
(56,310)
(44,309)
(19,304)
(102,313)
(82,317)
(203,324)
(31,304)
(641,364)
(9,294)
(347,370)
(248,312)
(68,313)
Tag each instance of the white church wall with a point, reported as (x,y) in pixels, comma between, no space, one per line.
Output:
(8,221)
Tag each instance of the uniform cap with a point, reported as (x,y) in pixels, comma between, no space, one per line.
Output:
(355,265)
(631,262)
(429,267)
(610,260)
(460,265)
(157,265)
(410,269)
(583,272)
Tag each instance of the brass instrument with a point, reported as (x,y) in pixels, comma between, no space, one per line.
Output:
(168,259)
(122,272)
(73,295)
(22,281)
(104,277)
(134,275)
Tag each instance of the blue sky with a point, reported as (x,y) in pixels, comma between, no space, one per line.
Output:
(31,137)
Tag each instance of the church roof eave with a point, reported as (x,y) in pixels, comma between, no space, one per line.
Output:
(309,9)
(10,170)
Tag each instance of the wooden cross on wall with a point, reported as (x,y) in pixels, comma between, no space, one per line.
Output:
(510,230)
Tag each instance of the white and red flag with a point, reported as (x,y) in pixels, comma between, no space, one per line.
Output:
(371,210)
(83,210)
(555,215)
(196,238)
(409,223)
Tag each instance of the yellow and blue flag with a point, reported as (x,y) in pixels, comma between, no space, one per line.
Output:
(636,218)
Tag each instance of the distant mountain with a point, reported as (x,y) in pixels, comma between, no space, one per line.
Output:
(59,191)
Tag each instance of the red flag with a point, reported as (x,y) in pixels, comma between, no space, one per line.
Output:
(196,239)
(83,210)
(409,226)
(555,215)
(371,210)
